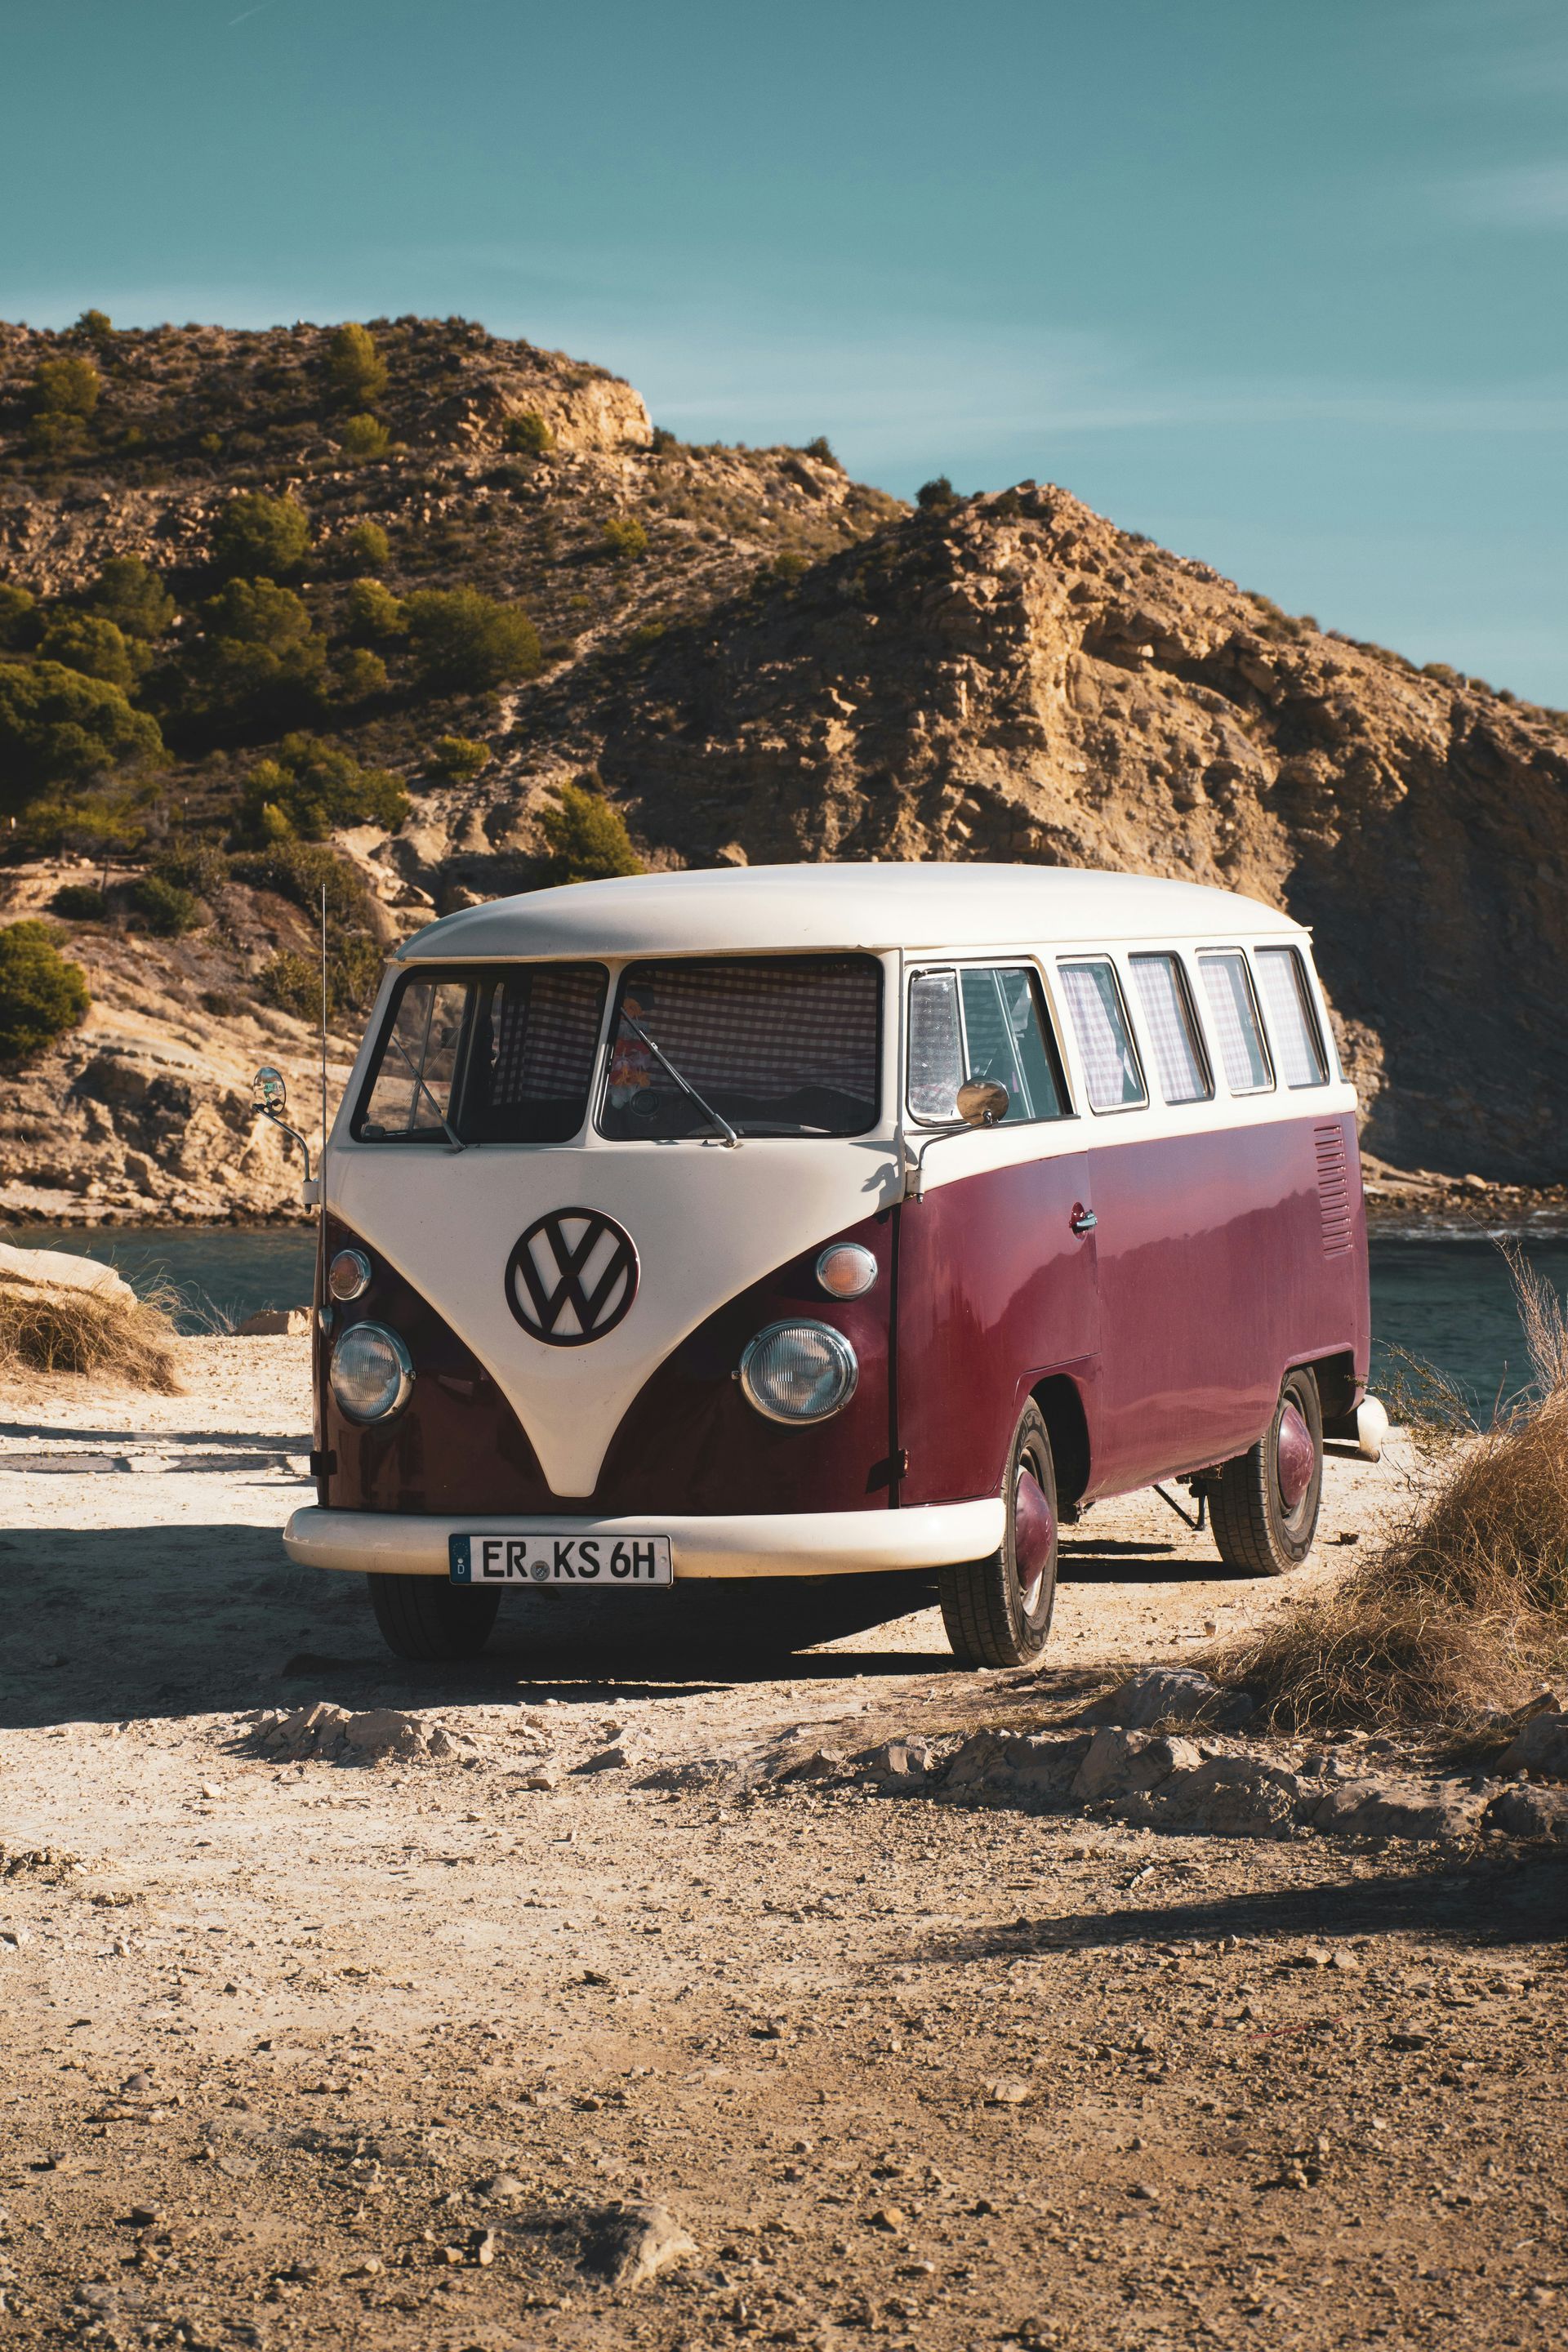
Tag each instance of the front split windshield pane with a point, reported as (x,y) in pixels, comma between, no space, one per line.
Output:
(499,1055)
(776,1045)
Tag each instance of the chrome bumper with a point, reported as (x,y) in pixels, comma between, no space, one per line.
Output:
(784,1543)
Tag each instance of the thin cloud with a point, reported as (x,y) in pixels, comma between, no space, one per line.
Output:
(246,13)
(1524,195)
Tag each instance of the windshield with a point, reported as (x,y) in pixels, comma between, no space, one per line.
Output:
(776,1045)
(501,1055)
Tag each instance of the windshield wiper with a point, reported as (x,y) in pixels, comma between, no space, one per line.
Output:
(731,1139)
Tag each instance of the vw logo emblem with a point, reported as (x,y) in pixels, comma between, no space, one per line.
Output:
(572,1277)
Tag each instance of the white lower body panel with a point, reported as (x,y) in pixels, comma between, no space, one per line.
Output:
(782,1543)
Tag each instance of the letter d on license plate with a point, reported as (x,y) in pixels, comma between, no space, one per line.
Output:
(614,1562)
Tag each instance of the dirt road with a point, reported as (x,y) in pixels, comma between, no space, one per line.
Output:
(319,2055)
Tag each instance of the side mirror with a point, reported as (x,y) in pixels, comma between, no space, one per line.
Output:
(982,1102)
(269,1092)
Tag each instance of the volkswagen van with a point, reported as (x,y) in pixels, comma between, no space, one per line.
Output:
(828,1220)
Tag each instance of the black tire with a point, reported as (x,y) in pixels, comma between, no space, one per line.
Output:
(422,1617)
(993,1617)
(1255,1527)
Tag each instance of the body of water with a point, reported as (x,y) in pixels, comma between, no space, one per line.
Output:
(1448,1302)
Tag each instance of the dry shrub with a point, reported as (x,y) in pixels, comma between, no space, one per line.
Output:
(81,1331)
(1464,1606)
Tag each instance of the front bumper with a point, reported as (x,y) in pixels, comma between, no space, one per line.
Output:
(784,1543)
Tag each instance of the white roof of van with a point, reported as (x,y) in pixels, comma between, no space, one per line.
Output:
(927,907)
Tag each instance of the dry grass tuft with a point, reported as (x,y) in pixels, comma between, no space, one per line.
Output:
(82,1332)
(1464,1606)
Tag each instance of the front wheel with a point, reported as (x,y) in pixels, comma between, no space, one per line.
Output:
(997,1611)
(1263,1506)
(423,1619)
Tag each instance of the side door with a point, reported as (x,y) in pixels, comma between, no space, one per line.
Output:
(996,1265)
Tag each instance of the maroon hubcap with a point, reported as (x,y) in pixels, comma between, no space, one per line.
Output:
(1295,1457)
(1033,1532)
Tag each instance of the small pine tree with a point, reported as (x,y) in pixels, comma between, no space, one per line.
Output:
(41,995)
(626,538)
(368,543)
(88,643)
(66,387)
(133,595)
(374,612)
(356,369)
(938,492)
(456,758)
(469,642)
(96,325)
(20,619)
(587,838)
(528,434)
(256,536)
(363,439)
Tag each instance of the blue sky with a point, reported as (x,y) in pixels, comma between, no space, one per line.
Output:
(1283,286)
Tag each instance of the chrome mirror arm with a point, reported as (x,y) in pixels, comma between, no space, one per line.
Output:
(260,1111)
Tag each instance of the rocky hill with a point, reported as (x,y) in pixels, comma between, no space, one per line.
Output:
(759,659)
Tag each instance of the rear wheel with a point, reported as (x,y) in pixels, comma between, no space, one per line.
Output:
(422,1617)
(997,1611)
(1263,1506)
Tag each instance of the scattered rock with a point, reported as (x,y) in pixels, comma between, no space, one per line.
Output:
(900,1763)
(334,1733)
(1007,2091)
(540,1776)
(63,1270)
(1227,1796)
(1122,1763)
(703,1774)
(623,2244)
(814,1764)
(888,2218)
(1024,1764)
(1522,1812)
(275,1323)
(1173,1695)
(617,1758)
(1541,1747)
(1395,1809)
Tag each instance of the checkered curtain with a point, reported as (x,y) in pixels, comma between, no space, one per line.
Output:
(1282,984)
(765,1027)
(1168,1018)
(546,1026)
(1235,1019)
(1109,1063)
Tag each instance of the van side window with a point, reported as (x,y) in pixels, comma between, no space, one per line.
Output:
(982,1021)
(1173,1027)
(1233,1011)
(1292,1020)
(1110,1067)
(411,1091)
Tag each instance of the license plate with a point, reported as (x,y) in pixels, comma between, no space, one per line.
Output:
(583,1562)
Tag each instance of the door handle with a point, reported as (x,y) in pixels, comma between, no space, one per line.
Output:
(1083,1221)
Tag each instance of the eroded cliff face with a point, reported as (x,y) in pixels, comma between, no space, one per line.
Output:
(1016,680)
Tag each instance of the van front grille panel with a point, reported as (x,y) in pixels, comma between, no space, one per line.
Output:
(1333,1190)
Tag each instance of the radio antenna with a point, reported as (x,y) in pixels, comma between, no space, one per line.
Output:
(323,1159)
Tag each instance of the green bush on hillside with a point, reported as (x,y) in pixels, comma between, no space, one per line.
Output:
(936,493)
(467,641)
(167,908)
(293,981)
(822,447)
(191,865)
(57,727)
(356,369)
(260,654)
(587,838)
(41,995)
(133,595)
(312,789)
(456,758)
(363,439)
(367,543)
(258,536)
(360,673)
(66,387)
(88,643)
(528,434)
(96,326)
(21,621)
(80,902)
(372,611)
(625,538)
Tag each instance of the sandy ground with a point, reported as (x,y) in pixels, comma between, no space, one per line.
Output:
(321,2055)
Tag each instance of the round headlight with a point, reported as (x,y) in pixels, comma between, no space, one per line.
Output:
(348,1277)
(371,1372)
(847,1270)
(799,1372)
